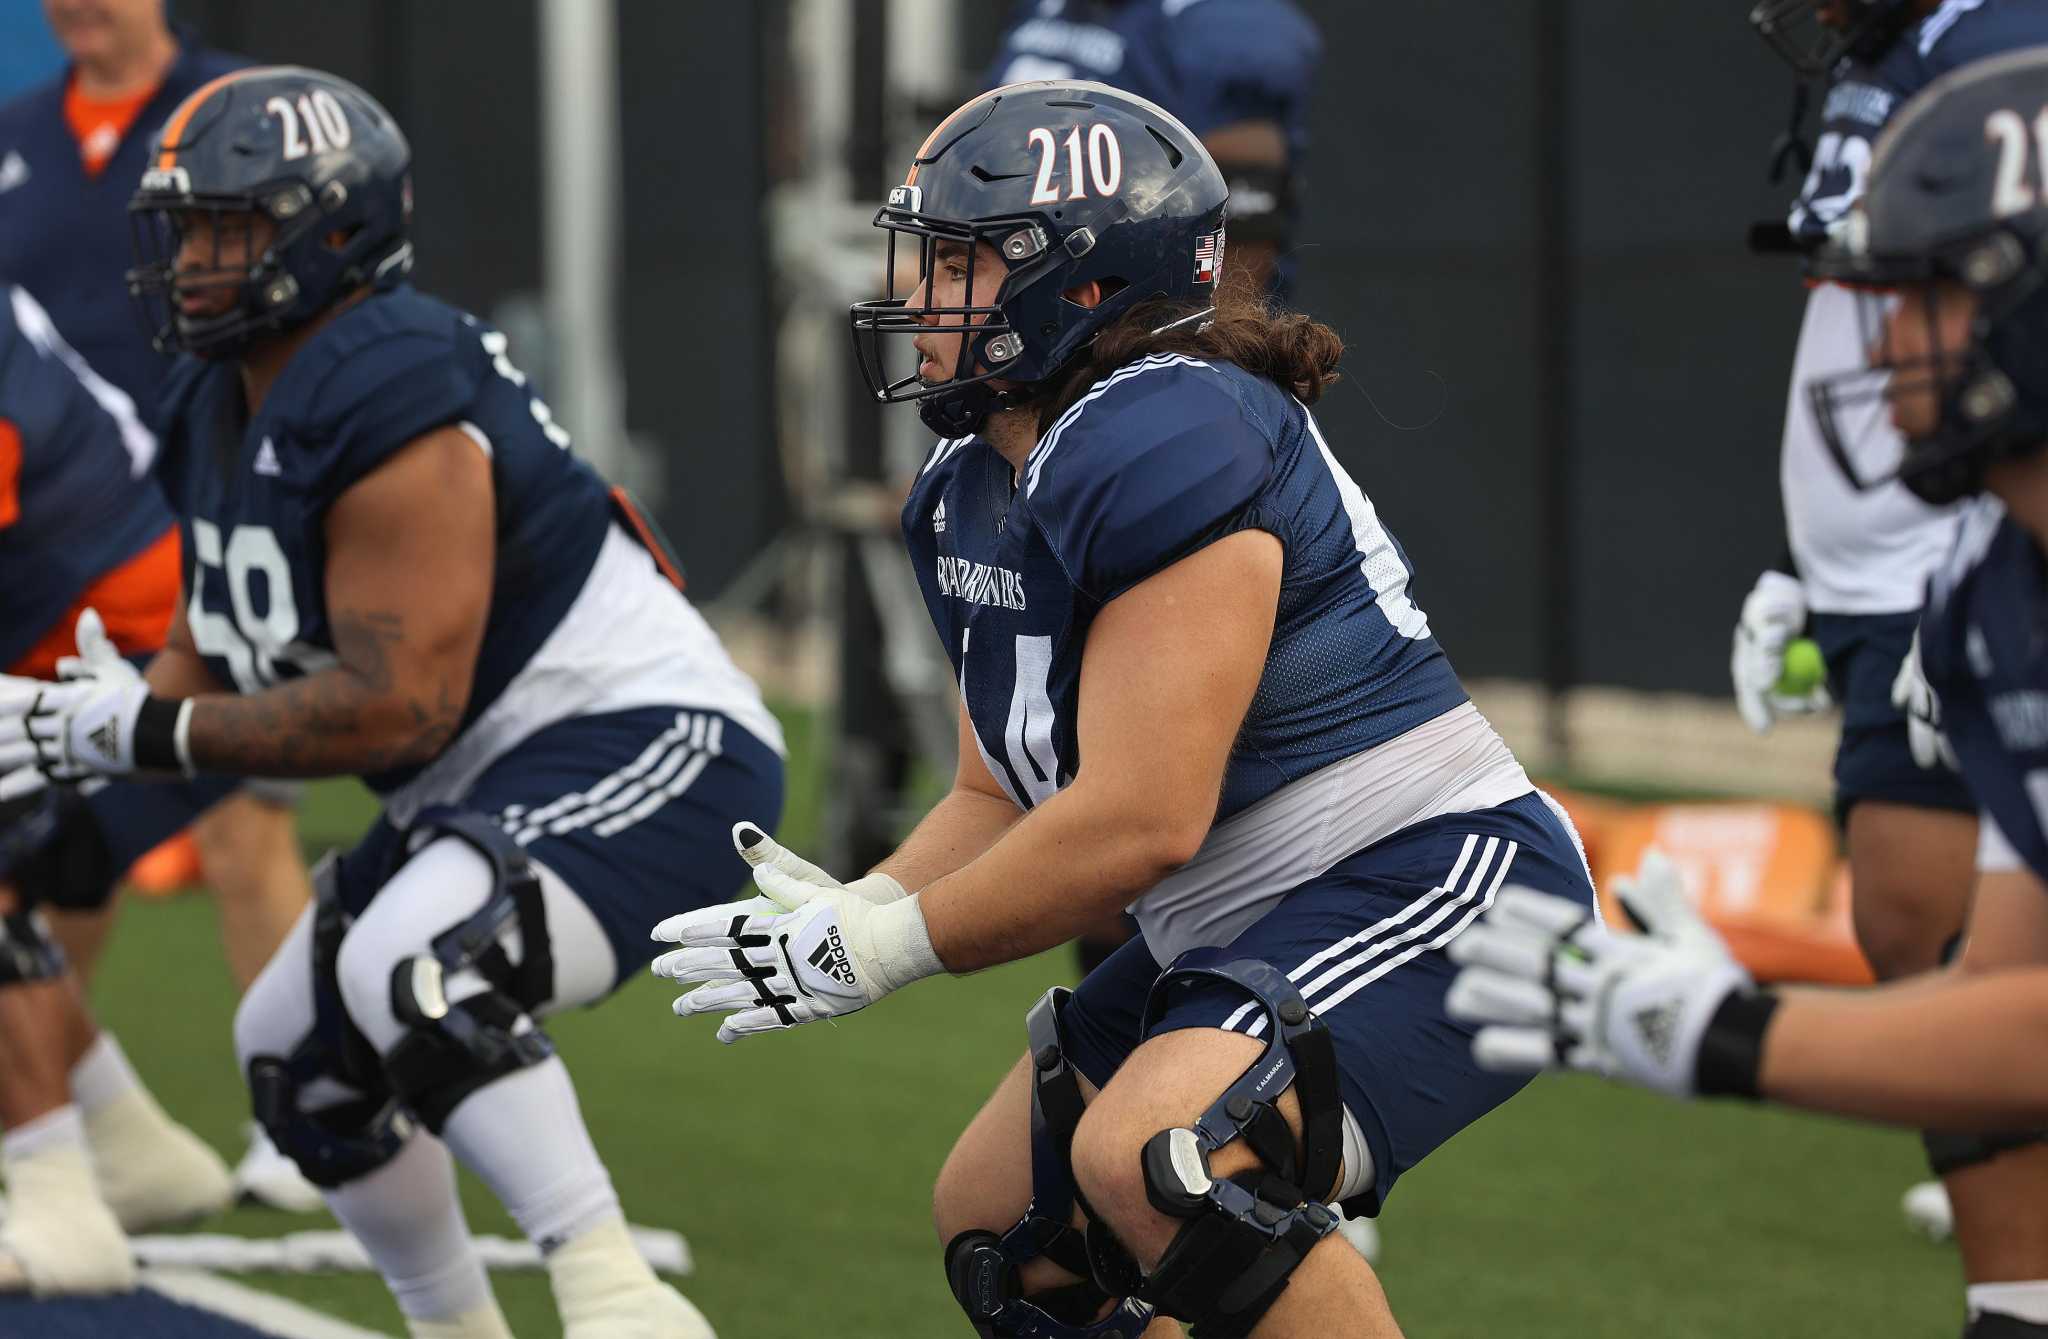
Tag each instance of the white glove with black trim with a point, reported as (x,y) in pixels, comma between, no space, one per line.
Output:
(1773,613)
(1668,1009)
(99,720)
(808,947)
(1913,695)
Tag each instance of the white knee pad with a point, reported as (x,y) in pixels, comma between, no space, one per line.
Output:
(446,881)
(277,1011)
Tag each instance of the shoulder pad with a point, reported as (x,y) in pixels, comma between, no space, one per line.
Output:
(394,367)
(1959,32)
(1147,466)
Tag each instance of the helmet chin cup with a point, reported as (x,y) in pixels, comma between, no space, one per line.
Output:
(958,411)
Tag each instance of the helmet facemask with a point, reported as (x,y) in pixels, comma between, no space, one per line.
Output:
(1793,29)
(988,346)
(1981,413)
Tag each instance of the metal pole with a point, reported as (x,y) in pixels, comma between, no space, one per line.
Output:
(1553,340)
(580,235)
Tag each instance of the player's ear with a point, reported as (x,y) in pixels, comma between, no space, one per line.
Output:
(1087,294)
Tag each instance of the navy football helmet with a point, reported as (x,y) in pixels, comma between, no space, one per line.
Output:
(1794,29)
(315,157)
(1955,195)
(1068,181)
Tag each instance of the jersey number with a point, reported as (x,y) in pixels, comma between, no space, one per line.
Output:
(1104,157)
(326,124)
(1027,734)
(1835,153)
(495,345)
(2010,192)
(252,646)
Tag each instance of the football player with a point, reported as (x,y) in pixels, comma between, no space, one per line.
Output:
(400,572)
(71,149)
(1954,228)
(1237,73)
(1856,563)
(87,1150)
(1194,680)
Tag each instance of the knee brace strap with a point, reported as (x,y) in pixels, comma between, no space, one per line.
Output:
(334,1145)
(1298,1052)
(52,850)
(984,1281)
(27,953)
(1953,1152)
(453,1049)
(1227,1266)
(982,1267)
(344,1142)
(1246,1235)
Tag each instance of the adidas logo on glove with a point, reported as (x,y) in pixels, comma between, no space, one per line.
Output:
(830,958)
(107,738)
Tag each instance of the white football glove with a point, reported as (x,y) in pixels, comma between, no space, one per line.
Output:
(1912,694)
(83,726)
(1773,614)
(808,947)
(1553,987)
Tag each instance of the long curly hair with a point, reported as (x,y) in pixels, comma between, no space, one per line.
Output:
(1295,351)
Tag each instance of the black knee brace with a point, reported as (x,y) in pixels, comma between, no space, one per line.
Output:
(52,850)
(1953,1152)
(454,1048)
(1245,1236)
(27,953)
(350,1139)
(981,1267)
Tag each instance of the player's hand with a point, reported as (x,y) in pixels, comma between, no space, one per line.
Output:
(807,948)
(1773,614)
(1553,987)
(81,727)
(1912,694)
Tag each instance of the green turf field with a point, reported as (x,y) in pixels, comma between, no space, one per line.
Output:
(799,1168)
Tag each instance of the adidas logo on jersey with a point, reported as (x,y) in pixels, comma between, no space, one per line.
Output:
(266,460)
(106,737)
(830,958)
(13,170)
(939,518)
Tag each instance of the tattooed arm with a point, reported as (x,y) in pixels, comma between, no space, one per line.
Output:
(409,557)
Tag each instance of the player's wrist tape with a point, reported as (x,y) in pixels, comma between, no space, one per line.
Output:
(163,728)
(1732,1048)
(903,944)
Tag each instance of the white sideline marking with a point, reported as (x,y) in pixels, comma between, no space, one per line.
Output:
(258,1310)
(332,1252)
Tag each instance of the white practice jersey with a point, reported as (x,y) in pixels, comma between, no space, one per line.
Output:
(1858,553)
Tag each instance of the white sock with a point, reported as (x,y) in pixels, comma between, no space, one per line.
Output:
(409,1219)
(102,1074)
(65,1125)
(2026,1301)
(524,1135)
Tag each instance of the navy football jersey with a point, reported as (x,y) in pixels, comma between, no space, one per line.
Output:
(1165,455)
(1862,96)
(253,493)
(1984,647)
(74,477)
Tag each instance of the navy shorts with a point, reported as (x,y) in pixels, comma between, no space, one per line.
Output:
(1364,943)
(633,809)
(1873,760)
